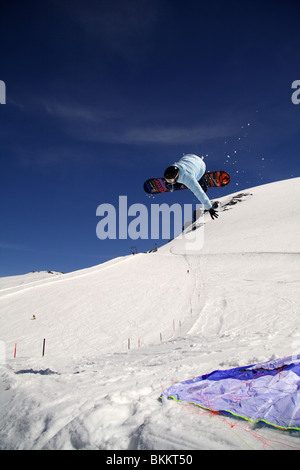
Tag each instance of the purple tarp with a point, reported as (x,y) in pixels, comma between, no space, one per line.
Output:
(267,392)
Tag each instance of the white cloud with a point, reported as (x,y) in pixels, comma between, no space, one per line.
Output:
(176,134)
(97,124)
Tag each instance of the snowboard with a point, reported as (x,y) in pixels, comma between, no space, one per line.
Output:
(211,179)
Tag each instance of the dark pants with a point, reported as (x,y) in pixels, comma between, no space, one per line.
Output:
(203,184)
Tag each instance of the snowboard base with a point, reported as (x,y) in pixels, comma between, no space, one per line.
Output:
(211,179)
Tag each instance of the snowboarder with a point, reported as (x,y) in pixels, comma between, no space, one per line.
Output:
(188,171)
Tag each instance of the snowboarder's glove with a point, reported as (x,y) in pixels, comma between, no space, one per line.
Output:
(213,213)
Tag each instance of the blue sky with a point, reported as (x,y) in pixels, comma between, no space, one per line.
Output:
(101,95)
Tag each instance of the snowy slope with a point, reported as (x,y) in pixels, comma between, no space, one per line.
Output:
(183,313)
(25,279)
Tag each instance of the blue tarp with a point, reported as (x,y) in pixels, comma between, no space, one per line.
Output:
(268,392)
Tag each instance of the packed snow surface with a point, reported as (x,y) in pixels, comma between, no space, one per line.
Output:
(118,334)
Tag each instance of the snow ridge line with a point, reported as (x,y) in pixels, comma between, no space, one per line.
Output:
(62,278)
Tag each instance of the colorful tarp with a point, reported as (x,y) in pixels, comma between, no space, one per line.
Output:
(268,392)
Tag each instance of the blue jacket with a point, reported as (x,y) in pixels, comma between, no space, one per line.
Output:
(191,169)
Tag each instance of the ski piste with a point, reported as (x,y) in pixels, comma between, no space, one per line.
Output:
(212,179)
